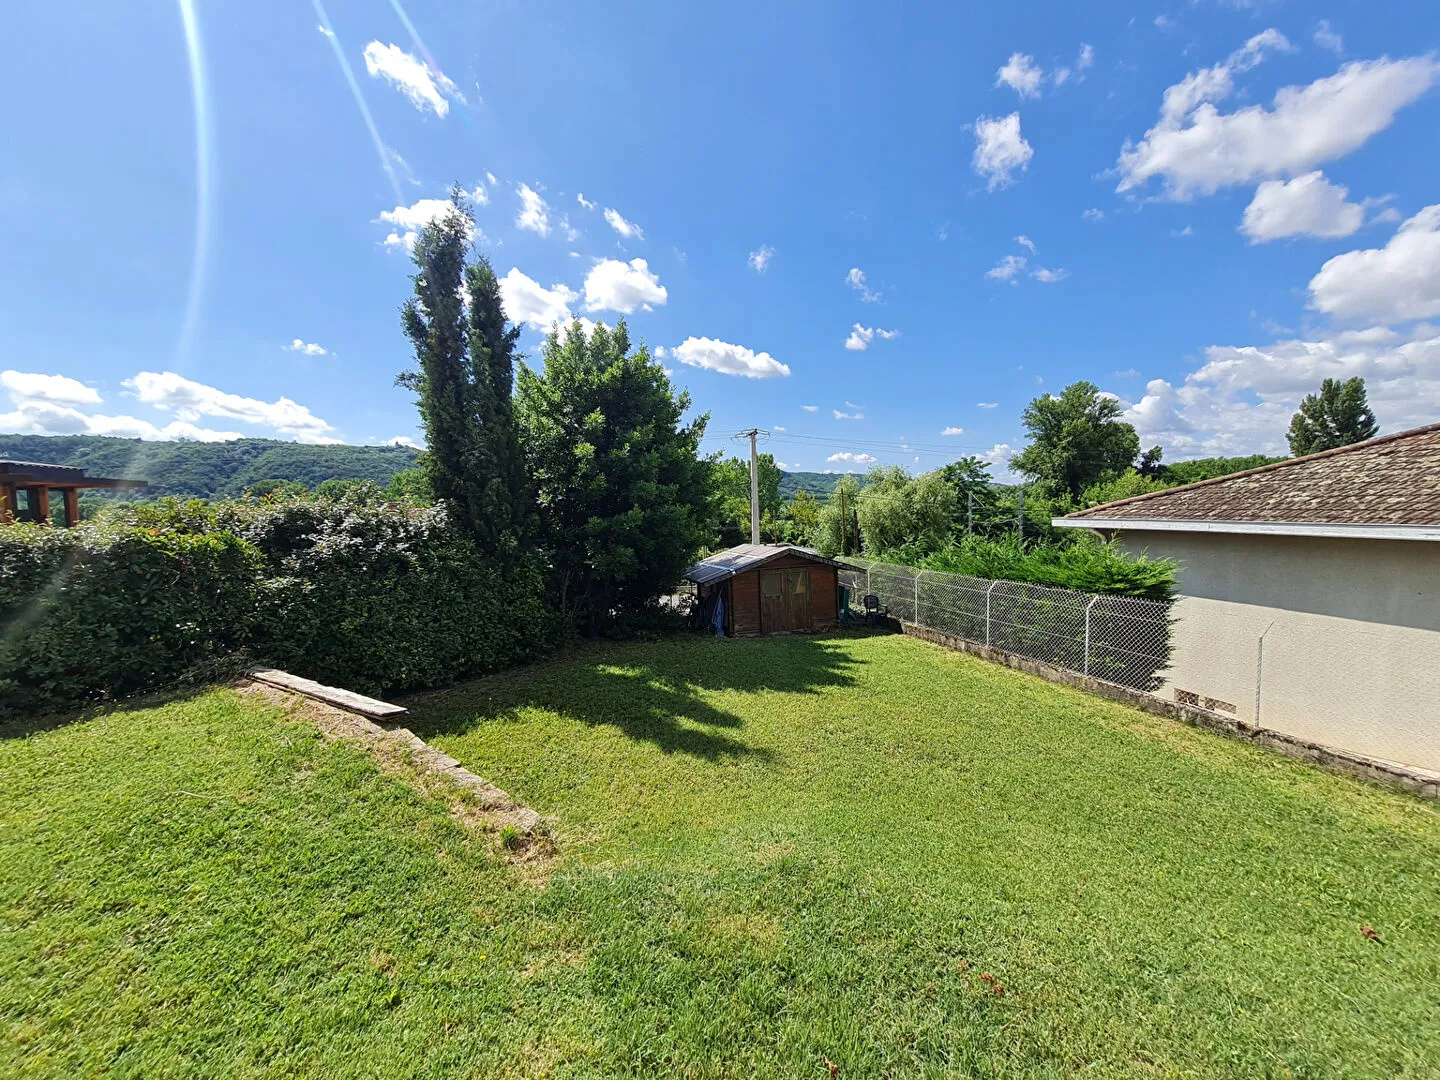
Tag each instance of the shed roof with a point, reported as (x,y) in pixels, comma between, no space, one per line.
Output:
(1387,487)
(742,557)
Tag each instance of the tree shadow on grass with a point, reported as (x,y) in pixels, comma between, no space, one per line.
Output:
(652,692)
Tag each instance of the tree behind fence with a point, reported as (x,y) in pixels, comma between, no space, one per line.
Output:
(1120,639)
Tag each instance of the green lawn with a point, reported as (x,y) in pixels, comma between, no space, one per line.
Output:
(770,855)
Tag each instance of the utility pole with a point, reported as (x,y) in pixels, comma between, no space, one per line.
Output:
(754,487)
(969,512)
(1020,516)
(844,523)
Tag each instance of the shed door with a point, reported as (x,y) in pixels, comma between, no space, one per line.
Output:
(784,600)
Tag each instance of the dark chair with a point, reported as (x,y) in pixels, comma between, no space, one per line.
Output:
(874,616)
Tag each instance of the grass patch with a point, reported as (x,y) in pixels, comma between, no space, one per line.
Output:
(770,854)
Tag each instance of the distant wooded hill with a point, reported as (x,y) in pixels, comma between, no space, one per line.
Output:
(210,470)
(818,484)
(222,469)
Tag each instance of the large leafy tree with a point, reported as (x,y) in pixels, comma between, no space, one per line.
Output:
(624,498)
(465,351)
(1337,416)
(732,497)
(1077,440)
(897,509)
(975,497)
(837,529)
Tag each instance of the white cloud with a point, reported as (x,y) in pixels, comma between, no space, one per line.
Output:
(759,259)
(586,203)
(953,431)
(987,404)
(190,400)
(1241,400)
(409,220)
(1329,39)
(404,440)
(1186,231)
(1308,205)
(778,428)
(810,408)
(57,389)
(45,405)
(613,285)
(1086,58)
(628,229)
(861,336)
(658,352)
(306,348)
(527,301)
(424,86)
(1049,277)
(1021,74)
(1196,149)
(1000,149)
(48,418)
(534,211)
(852,459)
(848,416)
(1093,215)
(855,278)
(1396,283)
(1007,269)
(1000,456)
(728,359)
(1026,242)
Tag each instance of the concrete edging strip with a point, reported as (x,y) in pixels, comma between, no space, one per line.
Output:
(1421,782)
(354,716)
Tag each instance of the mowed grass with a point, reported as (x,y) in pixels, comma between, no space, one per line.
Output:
(774,856)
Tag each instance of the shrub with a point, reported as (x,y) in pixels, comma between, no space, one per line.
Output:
(373,596)
(1087,565)
(387,596)
(96,612)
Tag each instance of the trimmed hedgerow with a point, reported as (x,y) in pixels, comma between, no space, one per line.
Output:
(375,596)
(103,613)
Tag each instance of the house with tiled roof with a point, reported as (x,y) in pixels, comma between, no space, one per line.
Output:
(1309,593)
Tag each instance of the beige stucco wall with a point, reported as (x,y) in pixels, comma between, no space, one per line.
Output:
(1351,633)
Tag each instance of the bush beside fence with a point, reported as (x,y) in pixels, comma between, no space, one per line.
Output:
(373,596)
(1121,639)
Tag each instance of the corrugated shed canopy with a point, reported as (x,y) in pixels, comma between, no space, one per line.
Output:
(1390,481)
(726,564)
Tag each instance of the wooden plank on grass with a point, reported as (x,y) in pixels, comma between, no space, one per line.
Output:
(331,695)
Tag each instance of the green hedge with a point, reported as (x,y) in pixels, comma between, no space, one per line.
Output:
(372,596)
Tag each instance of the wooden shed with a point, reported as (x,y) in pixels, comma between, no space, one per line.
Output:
(768,589)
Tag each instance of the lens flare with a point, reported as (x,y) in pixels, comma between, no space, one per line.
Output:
(380,147)
(204,178)
(424,52)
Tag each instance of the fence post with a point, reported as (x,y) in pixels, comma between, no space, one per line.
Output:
(868,589)
(1088,606)
(917,596)
(987,610)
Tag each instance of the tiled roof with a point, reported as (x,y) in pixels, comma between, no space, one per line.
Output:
(1392,480)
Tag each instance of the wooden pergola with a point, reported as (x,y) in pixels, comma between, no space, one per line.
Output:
(38,482)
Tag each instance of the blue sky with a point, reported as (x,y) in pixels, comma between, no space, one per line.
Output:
(857,226)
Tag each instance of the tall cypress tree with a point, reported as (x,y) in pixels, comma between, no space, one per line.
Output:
(509,502)
(465,352)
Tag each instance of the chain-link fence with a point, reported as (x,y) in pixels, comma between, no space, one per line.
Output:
(1120,639)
